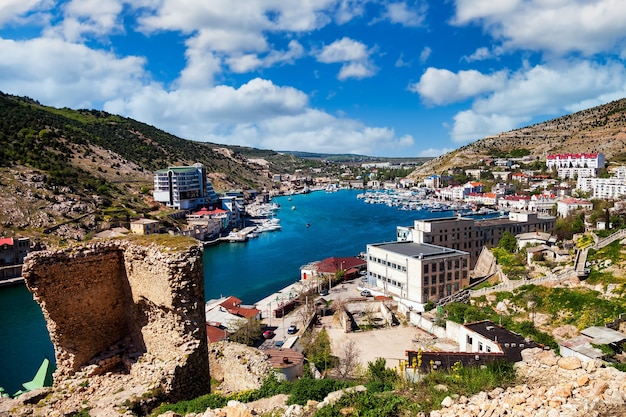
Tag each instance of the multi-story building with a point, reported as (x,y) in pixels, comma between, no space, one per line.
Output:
(470,235)
(576,165)
(184,188)
(417,272)
(568,205)
(604,188)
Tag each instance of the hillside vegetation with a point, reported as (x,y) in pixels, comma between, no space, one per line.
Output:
(59,164)
(599,129)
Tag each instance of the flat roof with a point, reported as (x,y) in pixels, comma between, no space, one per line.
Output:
(413,249)
(603,335)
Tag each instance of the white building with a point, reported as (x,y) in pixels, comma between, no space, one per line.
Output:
(576,165)
(568,205)
(183,188)
(417,272)
(604,188)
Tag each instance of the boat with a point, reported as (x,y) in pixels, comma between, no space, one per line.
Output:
(293,207)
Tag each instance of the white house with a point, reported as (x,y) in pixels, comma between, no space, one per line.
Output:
(568,205)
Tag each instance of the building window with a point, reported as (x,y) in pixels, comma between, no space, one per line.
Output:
(480,346)
(470,341)
(425,268)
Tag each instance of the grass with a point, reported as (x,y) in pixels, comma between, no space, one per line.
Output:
(396,398)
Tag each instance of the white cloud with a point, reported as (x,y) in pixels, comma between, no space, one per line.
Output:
(425,54)
(401,13)
(65,74)
(89,17)
(556,27)
(434,152)
(349,9)
(353,54)
(250,62)
(479,54)
(440,86)
(551,90)
(18,10)
(343,50)
(357,70)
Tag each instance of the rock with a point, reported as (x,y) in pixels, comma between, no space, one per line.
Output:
(441,388)
(569,363)
(447,402)
(582,380)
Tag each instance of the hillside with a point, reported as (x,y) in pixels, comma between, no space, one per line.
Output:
(61,164)
(598,129)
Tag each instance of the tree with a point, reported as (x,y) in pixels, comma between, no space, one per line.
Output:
(248,330)
(348,361)
(318,350)
(508,242)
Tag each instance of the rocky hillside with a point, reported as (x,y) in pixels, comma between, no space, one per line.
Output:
(599,129)
(63,164)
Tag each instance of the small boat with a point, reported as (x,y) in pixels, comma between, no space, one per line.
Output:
(293,207)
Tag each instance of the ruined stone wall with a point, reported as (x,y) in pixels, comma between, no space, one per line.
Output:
(141,304)
(84,301)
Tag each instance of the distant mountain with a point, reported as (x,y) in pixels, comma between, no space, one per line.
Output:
(59,164)
(598,129)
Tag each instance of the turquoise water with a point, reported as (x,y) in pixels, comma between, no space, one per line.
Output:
(24,338)
(339,225)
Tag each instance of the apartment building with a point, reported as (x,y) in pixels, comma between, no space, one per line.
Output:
(604,188)
(417,272)
(470,235)
(576,165)
(144,227)
(183,187)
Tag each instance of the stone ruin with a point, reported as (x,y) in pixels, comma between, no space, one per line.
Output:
(120,307)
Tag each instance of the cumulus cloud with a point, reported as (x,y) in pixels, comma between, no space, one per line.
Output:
(353,54)
(551,90)
(553,27)
(343,50)
(441,86)
(62,74)
(19,10)
(89,18)
(402,14)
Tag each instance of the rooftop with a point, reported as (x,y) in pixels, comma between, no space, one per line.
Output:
(417,250)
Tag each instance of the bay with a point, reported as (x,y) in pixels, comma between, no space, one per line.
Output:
(339,225)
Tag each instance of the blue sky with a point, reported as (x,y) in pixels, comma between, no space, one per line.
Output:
(383,78)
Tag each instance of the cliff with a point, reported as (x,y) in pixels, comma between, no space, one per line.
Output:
(125,317)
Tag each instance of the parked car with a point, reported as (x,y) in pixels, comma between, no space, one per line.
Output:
(292,329)
(279,343)
(324,292)
(366,293)
(268,334)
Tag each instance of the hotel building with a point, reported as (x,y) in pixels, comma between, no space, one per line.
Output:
(576,165)
(184,188)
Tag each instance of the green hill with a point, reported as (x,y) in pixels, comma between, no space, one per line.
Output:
(59,164)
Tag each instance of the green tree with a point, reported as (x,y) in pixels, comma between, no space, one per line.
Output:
(318,350)
(249,330)
(508,242)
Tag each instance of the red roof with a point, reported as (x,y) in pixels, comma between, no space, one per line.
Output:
(233,306)
(332,265)
(572,155)
(206,212)
(6,241)
(516,197)
(215,334)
